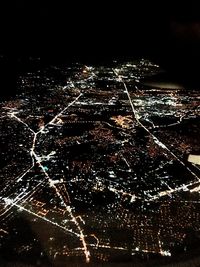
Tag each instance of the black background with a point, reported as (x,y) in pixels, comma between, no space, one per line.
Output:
(97,31)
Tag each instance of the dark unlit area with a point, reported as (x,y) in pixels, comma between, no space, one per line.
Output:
(38,33)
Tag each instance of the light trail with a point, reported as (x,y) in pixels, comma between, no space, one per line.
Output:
(125,160)
(138,250)
(12,203)
(3,231)
(59,114)
(12,115)
(17,179)
(121,192)
(169,192)
(24,199)
(22,196)
(97,240)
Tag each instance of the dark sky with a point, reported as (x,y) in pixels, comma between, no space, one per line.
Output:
(62,29)
(79,27)
(167,32)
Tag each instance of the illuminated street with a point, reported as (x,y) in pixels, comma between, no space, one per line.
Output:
(99,165)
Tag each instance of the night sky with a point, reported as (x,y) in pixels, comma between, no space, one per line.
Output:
(96,27)
(61,31)
(80,28)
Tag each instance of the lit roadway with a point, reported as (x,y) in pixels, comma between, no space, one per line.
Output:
(26,194)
